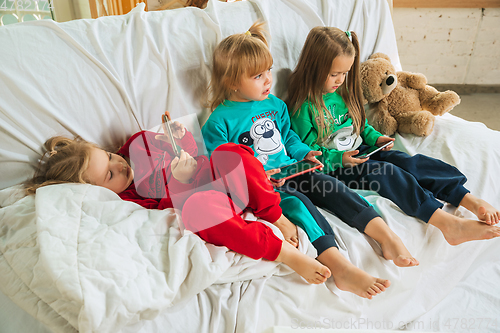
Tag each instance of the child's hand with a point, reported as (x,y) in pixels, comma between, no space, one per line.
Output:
(271,172)
(288,229)
(311,156)
(383,140)
(178,130)
(183,168)
(349,161)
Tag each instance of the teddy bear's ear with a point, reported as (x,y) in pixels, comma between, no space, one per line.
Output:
(380,55)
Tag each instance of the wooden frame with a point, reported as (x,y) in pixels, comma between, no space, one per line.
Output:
(446,3)
(100,8)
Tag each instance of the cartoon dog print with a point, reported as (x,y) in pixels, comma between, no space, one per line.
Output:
(265,138)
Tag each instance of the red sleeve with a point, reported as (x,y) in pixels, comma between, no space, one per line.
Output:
(130,194)
(154,185)
(180,192)
(188,144)
(148,143)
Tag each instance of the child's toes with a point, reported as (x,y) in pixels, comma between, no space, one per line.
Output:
(325,271)
(320,279)
(490,219)
(380,286)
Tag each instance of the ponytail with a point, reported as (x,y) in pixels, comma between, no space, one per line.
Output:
(64,161)
(257,30)
(351,91)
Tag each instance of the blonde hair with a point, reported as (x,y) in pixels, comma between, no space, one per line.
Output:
(235,56)
(322,46)
(65,161)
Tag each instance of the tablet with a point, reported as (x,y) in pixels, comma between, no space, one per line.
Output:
(167,130)
(295,169)
(372,150)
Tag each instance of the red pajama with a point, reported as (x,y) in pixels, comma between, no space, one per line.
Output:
(212,204)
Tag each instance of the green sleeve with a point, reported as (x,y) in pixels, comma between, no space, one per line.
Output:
(294,146)
(305,127)
(370,135)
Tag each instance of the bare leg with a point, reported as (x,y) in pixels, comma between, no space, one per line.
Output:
(483,210)
(350,278)
(392,246)
(458,230)
(288,229)
(310,269)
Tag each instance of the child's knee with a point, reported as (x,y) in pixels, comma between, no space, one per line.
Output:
(293,207)
(293,201)
(226,157)
(235,158)
(230,146)
(206,209)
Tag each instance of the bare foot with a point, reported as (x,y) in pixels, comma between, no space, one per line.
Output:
(348,277)
(392,246)
(310,269)
(482,209)
(487,213)
(359,282)
(394,249)
(288,229)
(463,230)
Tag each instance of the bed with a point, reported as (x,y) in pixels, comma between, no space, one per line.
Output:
(77,258)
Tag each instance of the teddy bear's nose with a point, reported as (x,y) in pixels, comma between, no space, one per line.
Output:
(390,80)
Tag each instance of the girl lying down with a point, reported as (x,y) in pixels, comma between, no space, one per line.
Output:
(212,194)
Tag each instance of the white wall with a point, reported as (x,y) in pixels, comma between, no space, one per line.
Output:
(450,45)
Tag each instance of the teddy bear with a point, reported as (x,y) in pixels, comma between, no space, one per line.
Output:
(401,101)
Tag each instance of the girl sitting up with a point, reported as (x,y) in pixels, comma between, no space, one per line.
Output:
(158,179)
(245,112)
(325,101)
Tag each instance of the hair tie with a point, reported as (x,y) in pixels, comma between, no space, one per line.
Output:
(348,33)
(52,152)
(248,33)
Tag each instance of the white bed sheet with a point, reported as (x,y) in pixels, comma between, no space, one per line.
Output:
(105,79)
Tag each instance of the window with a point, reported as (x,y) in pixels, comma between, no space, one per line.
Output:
(13,11)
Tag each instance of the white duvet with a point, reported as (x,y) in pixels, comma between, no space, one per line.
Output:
(102,263)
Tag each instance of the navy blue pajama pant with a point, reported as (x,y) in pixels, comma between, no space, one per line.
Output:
(331,194)
(414,183)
